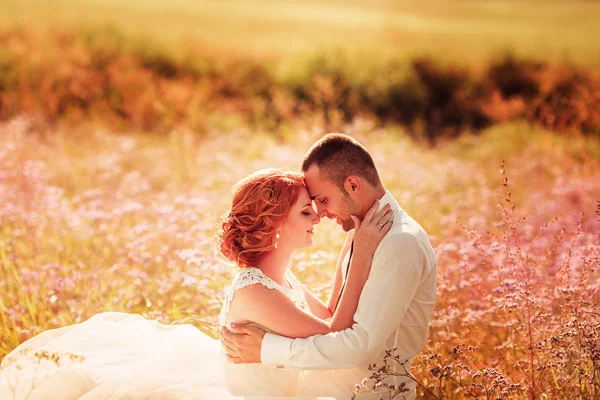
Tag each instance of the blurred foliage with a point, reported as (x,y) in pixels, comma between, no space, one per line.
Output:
(131,83)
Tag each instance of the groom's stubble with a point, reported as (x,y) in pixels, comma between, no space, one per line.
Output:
(349,208)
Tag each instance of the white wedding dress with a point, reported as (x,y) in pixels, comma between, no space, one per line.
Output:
(125,356)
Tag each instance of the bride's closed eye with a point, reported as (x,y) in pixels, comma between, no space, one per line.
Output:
(309,212)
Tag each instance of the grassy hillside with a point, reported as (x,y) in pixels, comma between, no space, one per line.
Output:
(457,30)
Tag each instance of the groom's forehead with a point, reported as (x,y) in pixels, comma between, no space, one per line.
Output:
(312,187)
(316,183)
(312,178)
(317,187)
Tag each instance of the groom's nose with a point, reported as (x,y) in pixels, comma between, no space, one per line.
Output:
(321,210)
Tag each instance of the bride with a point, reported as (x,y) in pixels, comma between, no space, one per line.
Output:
(125,356)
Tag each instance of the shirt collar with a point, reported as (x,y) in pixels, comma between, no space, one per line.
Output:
(387,198)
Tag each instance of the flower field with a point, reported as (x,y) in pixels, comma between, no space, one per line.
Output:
(124,128)
(94,221)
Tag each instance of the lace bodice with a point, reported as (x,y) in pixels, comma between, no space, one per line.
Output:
(251,276)
(258,379)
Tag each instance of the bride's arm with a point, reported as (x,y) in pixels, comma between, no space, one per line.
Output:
(276,312)
(367,236)
(317,307)
(337,284)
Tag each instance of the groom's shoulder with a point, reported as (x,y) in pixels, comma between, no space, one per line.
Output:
(406,235)
(404,251)
(405,228)
(396,239)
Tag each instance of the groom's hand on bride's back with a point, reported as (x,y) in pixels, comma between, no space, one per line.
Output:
(242,347)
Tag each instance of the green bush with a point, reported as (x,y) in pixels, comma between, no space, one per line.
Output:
(133,82)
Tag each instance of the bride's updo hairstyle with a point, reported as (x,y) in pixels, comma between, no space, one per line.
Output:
(261,202)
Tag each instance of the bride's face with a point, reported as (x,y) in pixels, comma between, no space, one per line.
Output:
(298,228)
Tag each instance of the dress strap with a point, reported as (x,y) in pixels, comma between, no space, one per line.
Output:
(298,297)
(251,276)
(246,277)
(293,281)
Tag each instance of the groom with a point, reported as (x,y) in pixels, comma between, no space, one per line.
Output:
(397,300)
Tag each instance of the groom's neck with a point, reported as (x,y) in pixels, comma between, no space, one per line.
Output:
(370,196)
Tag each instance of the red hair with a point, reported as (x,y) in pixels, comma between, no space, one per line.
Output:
(261,202)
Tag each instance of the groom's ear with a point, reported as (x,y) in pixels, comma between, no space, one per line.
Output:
(353,185)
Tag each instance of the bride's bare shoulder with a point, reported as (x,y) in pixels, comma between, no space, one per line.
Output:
(252,301)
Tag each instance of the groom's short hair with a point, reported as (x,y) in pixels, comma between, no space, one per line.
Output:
(338,156)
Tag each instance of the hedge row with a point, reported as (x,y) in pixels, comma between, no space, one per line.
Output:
(104,74)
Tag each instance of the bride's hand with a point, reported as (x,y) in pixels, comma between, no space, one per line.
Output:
(369,232)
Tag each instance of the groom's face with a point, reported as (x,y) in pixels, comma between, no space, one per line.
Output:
(331,201)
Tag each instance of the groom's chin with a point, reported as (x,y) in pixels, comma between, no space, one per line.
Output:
(347,226)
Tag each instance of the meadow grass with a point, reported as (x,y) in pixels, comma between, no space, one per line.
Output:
(465,31)
(93,221)
(156,110)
